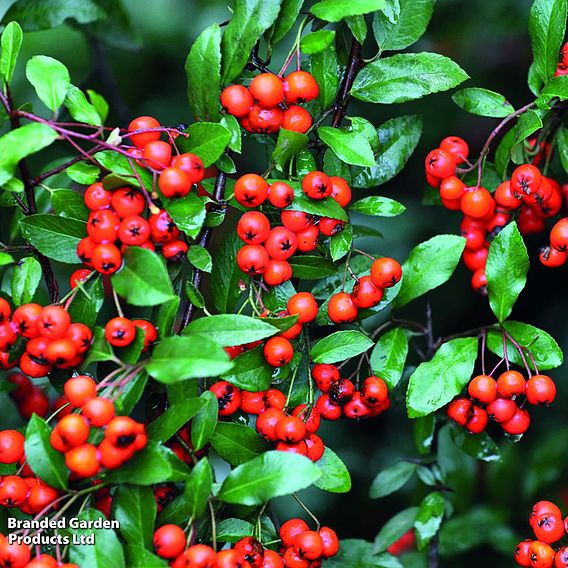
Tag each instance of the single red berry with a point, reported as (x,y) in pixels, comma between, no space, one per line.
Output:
(304,305)
(150,332)
(541,555)
(236,100)
(440,164)
(483,389)
(475,260)
(85,250)
(228,396)
(143,123)
(541,390)
(340,190)
(191,164)
(460,410)
(548,528)
(457,147)
(502,409)
(519,424)
(280,194)
(251,190)
(169,541)
(281,243)
(325,374)
(98,411)
(157,155)
(312,419)
(278,351)
(79,276)
(476,202)
(102,226)
(365,294)
(374,391)
(253,227)
(511,384)
(300,87)
(559,235)
(327,408)
(341,391)
(526,179)
(309,544)
(175,250)
(25,318)
(162,228)
(386,272)
(341,308)
(120,331)
(265,120)
(267,90)
(267,421)
(107,259)
(308,239)
(522,557)
(329,227)
(253,259)
(316,185)
(290,429)
(252,402)
(11,446)
(297,119)
(478,422)
(356,408)
(127,202)
(79,390)
(134,230)
(452,188)
(543,507)
(83,460)
(174,182)
(551,257)
(53,322)
(506,197)
(277,272)
(97,197)
(290,530)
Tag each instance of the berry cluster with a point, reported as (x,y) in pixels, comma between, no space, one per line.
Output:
(548,527)
(341,398)
(529,196)
(123,437)
(271,103)
(16,555)
(501,400)
(25,490)
(267,249)
(367,292)
(28,398)
(300,548)
(52,340)
(121,332)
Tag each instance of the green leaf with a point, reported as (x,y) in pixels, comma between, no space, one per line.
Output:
(397,31)
(231,329)
(336,10)
(436,382)
(233,126)
(50,79)
(21,143)
(392,479)
(378,206)
(340,243)
(480,446)
(11,42)
(80,108)
(506,270)
(6,259)
(528,123)
(358,27)
(203,71)
(270,475)
(188,213)
(398,138)
(207,140)
(99,102)
(46,462)
(200,258)
(203,424)
(547,24)
(317,41)
(311,267)
(286,18)
(389,356)
(191,504)
(323,66)
(170,421)
(483,102)
(251,18)
(251,371)
(429,265)
(335,476)
(424,429)
(326,207)
(154,464)
(339,346)
(556,88)
(225,275)
(429,518)
(100,349)
(350,147)
(237,443)
(233,530)
(55,237)
(143,279)
(26,277)
(138,557)
(544,348)
(135,509)
(406,77)
(69,203)
(180,358)
(289,143)
(395,528)
(106,552)
(562,144)
(193,295)
(130,394)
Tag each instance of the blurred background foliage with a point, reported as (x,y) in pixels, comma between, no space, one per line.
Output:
(136,58)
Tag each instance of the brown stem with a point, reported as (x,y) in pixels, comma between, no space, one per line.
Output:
(218,193)
(354,65)
(50,280)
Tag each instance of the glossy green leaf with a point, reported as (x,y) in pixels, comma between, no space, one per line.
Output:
(143,279)
(269,475)
(139,557)
(231,329)
(286,18)
(170,421)
(53,236)
(403,24)
(506,270)
(237,443)
(206,139)
(289,143)
(11,42)
(188,213)
(339,346)
(392,479)
(26,277)
(50,79)
(335,476)
(389,356)
(80,108)
(200,258)
(225,275)
(378,206)
(251,371)
(311,267)
(203,71)
(46,462)
(69,203)
(429,518)
(336,10)
(429,265)
(135,509)
(350,147)
(203,423)
(398,138)
(251,18)
(483,102)
(529,122)
(323,66)
(317,41)
(340,243)
(436,382)
(479,446)
(406,77)
(354,553)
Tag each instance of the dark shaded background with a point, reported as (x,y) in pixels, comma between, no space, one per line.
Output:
(489,40)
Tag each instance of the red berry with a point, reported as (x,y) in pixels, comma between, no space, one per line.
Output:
(341,308)
(120,332)
(457,147)
(541,390)
(253,259)
(174,182)
(143,123)
(278,351)
(452,188)
(511,384)
(157,155)
(300,87)
(551,257)
(277,272)
(330,542)
(191,164)
(107,259)
(83,461)
(519,424)
(297,119)
(304,305)
(280,194)
(476,202)
(236,100)
(385,272)
(290,530)
(526,179)
(53,322)
(330,227)
(25,318)
(253,227)
(228,397)
(281,243)
(483,388)
(251,190)
(316,185)
(309,544)
(460,410)
(97,197)
(11,446)
(98,411)
(267,90)
(365,294)
(290,429)
(440,163)
(267,421)
(127,202)
(478,422)
(169,541)
(325,374)
(502,409)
